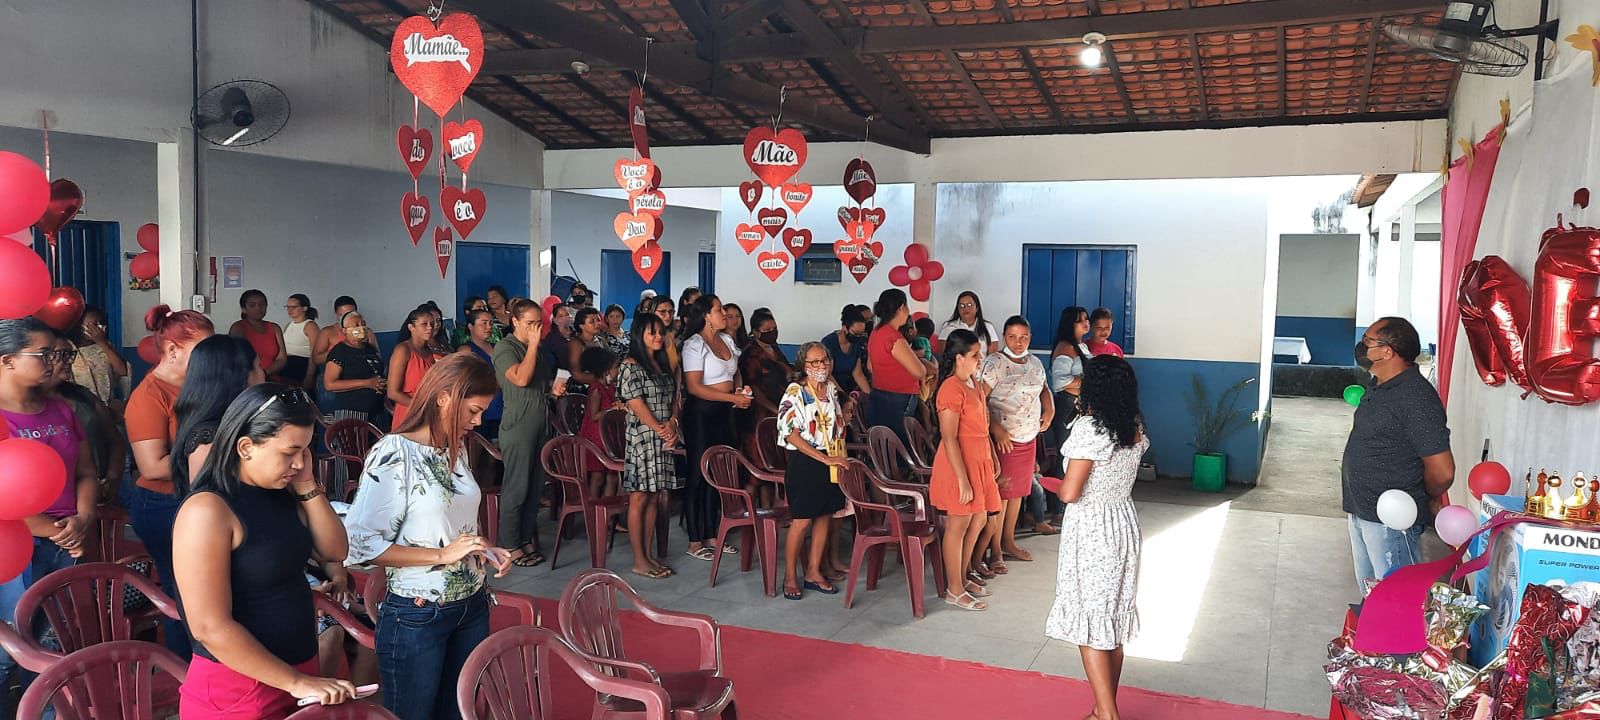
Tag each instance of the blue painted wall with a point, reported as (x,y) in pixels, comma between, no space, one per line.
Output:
(1163,386)
(1331,339)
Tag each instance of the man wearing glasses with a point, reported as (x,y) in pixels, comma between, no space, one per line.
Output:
(1399,441)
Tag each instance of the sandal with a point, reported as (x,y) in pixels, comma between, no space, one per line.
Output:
(792,594)
(836,576)
(829,590)
(979,591)
(528,556)
(1020,556)
(976,579)
(729,550)
(705,553)
(984,571)
(654,573)
(966,601)
(1046,529)
(999,568)
(665,571)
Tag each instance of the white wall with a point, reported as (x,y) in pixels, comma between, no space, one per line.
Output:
(581,226)
(807,312)
(1317,275)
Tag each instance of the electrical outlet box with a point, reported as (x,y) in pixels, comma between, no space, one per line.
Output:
(198,303)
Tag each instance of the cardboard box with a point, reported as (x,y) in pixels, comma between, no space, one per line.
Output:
(1524,555)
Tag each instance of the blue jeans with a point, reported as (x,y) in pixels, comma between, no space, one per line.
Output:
(890,409)
(421,650)
(152,514)
(48,557)
(1378,550)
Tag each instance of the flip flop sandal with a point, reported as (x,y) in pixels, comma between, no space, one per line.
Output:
(981,592)
(653,574)
(668,572)
(830,590)
(976,579)
(729,550)
(1019,558)
(1053,530)
(705,553)
(792,594)
(836,577)
(1000,568)
(965,601)
(528,560)
(985,571)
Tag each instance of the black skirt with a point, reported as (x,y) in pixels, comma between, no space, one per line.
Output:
(812,493)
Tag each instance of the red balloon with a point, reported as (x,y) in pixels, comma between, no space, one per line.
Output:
(1562,322)
(25,190)
(1489,478)
(149,351)
(1493,301)
(16,549)
(24,281)
(63,309)
(32,475)
(149,236)
(66,199)
(145,266)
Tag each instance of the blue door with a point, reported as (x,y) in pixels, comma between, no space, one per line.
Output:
(479,265)
(621,284)
(708,273)
(87,258)
(1055,277)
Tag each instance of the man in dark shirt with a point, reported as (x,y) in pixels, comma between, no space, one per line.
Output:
(1399,441)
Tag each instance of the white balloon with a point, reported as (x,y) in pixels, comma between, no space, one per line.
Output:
(1397,510)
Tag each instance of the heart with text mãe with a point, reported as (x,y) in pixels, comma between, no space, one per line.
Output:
(774,156)
(860,182)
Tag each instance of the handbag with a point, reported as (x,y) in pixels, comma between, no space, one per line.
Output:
(835,449)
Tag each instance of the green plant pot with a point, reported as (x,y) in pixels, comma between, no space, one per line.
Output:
(1210,471)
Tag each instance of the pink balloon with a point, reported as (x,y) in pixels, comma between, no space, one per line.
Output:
(24,281)
(24,192)
(149,236)
(23,236)
(1455,524)
(16,549)
(31,477)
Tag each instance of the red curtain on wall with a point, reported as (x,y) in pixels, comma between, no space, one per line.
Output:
(1465,193)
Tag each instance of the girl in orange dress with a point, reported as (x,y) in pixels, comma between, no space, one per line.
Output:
(965,471)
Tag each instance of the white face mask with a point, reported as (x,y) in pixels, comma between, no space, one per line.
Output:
(817,375)
(1014,355)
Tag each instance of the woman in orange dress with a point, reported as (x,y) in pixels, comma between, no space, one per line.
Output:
(411,359)
(965,471)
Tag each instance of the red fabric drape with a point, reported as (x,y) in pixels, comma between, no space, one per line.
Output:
(1466,191)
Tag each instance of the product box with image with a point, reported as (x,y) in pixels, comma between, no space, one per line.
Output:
(1525,554)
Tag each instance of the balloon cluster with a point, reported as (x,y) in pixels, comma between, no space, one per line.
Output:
(32,476)
(1454,523)
(24,197)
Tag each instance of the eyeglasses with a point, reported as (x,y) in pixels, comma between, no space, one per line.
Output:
(966,305)
(818,363)
(51,356)
(293,307)
(289,396)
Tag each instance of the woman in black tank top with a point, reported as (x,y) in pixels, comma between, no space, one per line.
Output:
(252,519)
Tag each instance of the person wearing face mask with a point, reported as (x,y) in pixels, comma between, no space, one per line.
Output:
(763,364)
(847,346)
(97,364)
(526,371)
(1399,440)
(1020,406)
(354,374)
(811,424)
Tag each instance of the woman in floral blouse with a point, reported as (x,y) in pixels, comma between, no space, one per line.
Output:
(416,516)
(809,424)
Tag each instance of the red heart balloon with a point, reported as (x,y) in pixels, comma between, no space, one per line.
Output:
(750,194)
(749,236)
(633,175)
(647,261)
(772,264)
(62,310)
(860,267)
(860,182)
(444,246)
(66,199)
(437,63)
(772,220)
(461,142)
(415,213)
(795,195)
(149,236)
(774,156)
(24,281)
(634,229)
(797,241)
(416,146)
(637,126)
(652,202)
(145,266)
(846,250)
(463,208)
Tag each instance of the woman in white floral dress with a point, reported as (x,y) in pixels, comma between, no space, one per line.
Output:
(416,516)
(1097,578)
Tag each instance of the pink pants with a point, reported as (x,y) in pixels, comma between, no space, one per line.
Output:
(213,691)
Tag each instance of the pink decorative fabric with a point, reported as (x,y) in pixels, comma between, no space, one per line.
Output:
(1466,191)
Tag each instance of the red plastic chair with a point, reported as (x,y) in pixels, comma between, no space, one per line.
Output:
(563,459)
(357,630)
(920,442)
(855,436)
(116,680)
(588,614)
(83,604)
(770,459)
(506,609)
(352,437)
(507,678)
(612,426)
(720,467)
(484,458)
(879,527)
(569,410)
(355,710)
(890,459)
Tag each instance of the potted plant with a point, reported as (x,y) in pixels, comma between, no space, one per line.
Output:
(1213,423)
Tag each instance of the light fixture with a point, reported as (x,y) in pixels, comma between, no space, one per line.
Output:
(580,67)
(1092,55)
(236,136)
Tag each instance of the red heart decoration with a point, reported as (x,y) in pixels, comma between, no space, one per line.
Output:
(463,208)
(634,229)
(647,260)
(795,195)
(655,177)
(772,264)
(437,63)
(876,215)
(860,230)
(416,146)
(750,194)
(636,123)
(444,246)
(871,252)
(62,310)
(414,212)
(661,229)
(1580,197)
(634,175)
(66,199)
(847,213)
(797,241)
(652,202)
(772,220)
(774,156)
(461,142)
(749,236)
(860,182)
(846,250)
(860,267)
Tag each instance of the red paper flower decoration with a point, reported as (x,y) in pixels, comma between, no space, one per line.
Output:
(919,272)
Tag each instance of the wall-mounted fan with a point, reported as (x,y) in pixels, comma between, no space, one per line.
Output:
(240,112)
(1468,36)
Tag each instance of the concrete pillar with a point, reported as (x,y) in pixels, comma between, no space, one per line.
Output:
(539,242)
(175,212)
(925,205)
(1408,256)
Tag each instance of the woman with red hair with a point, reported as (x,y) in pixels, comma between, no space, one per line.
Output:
(152,424)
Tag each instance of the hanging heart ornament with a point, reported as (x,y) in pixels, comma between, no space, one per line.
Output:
(860,267)
(416,146)
(634,175)
(461,142)
(846,250)
(749,236)
(634,229)
(750,194)
(462,208)
(652,202)
(437,63)
(414,211)
(66,199)
(444,246)
(773,264)
(795,195)
(774,156)
(797,241)
(772,220)
(637,125)
(860,182)
(647,261)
